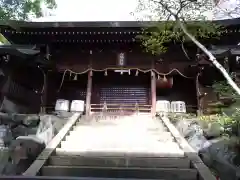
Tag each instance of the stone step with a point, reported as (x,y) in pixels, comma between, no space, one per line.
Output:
(76,152)
(92,141)
(119,161)
(121,172)
(77,135)
(118,135)
(94,123)
(129,147)
(121,151)
(108,142)
(121,140)
(122,126)
(111,123)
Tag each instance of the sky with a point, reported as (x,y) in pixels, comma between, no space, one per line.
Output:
(101,10)
(93,10)
(228,6)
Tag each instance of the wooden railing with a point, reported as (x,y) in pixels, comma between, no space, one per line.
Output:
(105,107)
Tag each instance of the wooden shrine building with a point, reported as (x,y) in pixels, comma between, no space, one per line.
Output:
(104,64)
(21,79)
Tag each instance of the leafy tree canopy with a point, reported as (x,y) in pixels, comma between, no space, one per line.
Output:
(194,14)
(23,9)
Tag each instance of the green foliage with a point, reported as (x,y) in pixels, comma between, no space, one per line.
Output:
(181,115)
(3,40)
(156,39)
(222,88)
(175,117)
(230,123)
(193,14)
(23,9)
(236,115)
(222,119)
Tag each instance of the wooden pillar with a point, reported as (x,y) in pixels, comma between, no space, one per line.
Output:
(198,93)
(153,93)
(44,93)
(89,93)
(45,82)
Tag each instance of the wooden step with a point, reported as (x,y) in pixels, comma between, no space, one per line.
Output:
(119,161)
(116,172)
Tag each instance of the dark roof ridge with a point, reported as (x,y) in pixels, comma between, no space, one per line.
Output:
(96,24)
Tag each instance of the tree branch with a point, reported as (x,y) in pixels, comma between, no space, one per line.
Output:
(195,41)
(182,5)
(184,51)
(164,6)
(211,58)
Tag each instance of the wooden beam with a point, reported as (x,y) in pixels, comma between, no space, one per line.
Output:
(89,93)
(153,93)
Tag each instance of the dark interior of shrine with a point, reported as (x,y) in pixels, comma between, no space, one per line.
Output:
(115,88)
(18,81)
(69,87)
(183,89)
(73,87)
(123,89)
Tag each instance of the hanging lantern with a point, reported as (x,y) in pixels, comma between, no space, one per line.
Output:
(165,82)
(121,61)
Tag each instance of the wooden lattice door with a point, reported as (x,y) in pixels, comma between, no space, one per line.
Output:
(124,96)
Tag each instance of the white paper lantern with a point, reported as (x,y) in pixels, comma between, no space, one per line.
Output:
(62,105)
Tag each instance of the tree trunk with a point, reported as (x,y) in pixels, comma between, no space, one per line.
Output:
(211,58)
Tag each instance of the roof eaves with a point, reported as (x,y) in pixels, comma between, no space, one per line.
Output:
(98,24)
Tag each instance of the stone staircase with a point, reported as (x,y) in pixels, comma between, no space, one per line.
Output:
(126,147)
